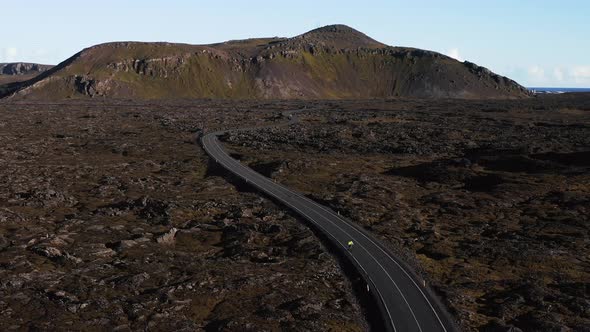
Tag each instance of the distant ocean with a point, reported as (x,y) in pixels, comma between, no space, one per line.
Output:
(558,90)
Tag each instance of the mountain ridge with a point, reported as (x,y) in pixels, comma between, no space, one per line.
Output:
(22,68)
(11,73)
(332,62)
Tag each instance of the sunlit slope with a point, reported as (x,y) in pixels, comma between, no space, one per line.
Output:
(331,62)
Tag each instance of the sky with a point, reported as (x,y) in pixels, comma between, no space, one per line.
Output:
(537,43)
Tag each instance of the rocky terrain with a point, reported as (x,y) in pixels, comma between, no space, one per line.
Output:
(333,62)
(21,68)
(19,72)
(490,201)
(112,218)
(13,74)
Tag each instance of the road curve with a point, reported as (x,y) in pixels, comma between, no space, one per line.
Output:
(405,303)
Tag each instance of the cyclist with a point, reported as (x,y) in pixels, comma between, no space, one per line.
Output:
(350,244)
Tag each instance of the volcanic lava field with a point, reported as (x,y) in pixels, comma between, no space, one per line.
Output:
(112,217)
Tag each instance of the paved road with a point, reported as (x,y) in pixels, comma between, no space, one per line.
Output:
(405,304)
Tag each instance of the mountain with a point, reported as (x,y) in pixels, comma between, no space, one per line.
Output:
(333,62)
(20,71)
(22,68)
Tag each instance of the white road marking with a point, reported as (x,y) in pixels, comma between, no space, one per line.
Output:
(212,139)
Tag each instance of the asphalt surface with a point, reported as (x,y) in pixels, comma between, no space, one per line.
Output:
(406,304)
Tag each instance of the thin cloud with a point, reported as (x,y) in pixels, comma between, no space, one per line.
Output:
(10,54)
(558,74)
(536,74)
(581,74)
(454,53)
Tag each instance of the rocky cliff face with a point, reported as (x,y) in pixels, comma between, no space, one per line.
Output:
(334,62)
(21,68)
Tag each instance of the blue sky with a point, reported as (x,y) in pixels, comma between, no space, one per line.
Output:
(537,43)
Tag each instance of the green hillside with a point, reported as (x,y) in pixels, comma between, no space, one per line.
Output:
(333,62)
